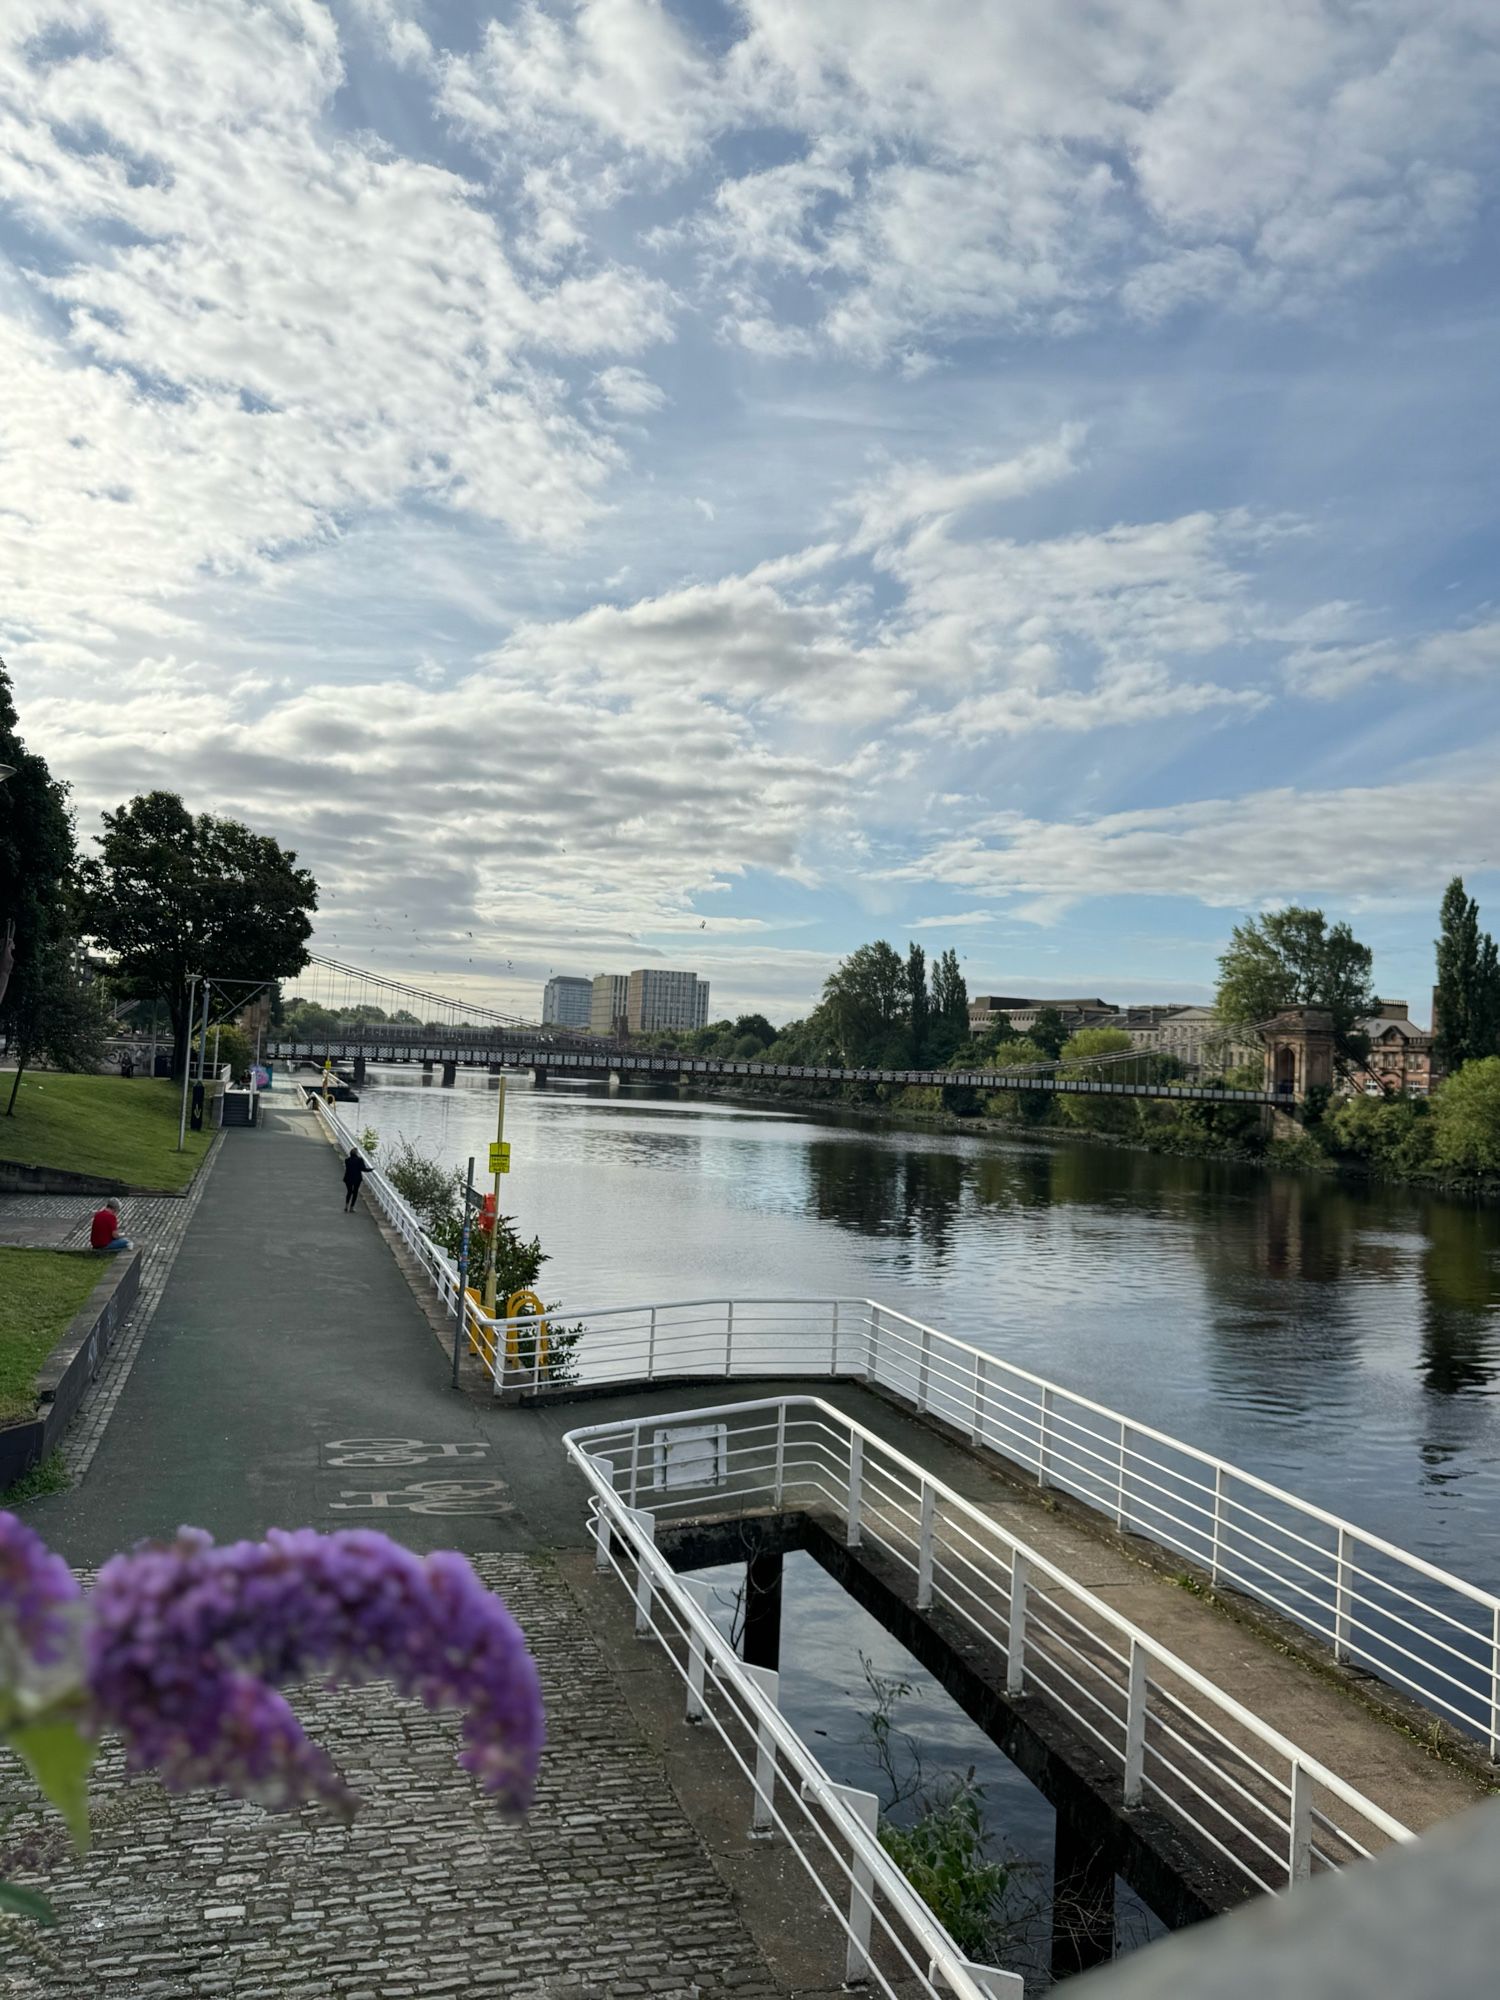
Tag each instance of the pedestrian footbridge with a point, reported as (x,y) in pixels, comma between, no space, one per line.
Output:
(1223,1689)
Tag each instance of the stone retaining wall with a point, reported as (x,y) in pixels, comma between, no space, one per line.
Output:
(66,1376)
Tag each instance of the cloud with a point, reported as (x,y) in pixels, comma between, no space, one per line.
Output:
(629,391)
(1371,841)
(1326,672)
(959,920)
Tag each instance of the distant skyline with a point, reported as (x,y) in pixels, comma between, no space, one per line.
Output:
(706,485)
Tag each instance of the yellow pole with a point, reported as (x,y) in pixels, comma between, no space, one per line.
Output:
(489,1275)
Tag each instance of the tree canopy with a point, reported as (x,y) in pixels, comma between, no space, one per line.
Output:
(171,893)
(1468,983)
(1296,958)
(36,866)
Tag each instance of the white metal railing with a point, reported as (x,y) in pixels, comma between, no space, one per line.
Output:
(892,1941)
(1272,1812)
(1412,1624)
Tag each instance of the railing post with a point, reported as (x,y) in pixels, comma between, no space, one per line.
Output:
(1495,1688)
(833,1364)
(762,1819)
(976,1432)
(702,1595)
(729,1339)
(1120,1510)
(780,1451)
(606,1474)
(651,1348)
(874,1364)
(1015,1624)
(1342,1602)
(924,1369)
(1299,1855)
(924,1546)
(635,1468)
(643,1590)
(1218,1536)
(1135,1724)
(856,1482)
(864,1807)
(1044,1426)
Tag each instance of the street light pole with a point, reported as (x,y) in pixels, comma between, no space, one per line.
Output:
(187,1062)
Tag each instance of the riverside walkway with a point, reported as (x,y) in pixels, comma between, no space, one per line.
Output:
(291,1377)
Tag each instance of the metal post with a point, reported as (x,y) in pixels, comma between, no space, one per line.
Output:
(856,1481)
(1218,1540)
(702,1595)
(729,1337)
(1495,1688)
(1299,1857)
(780,1452)
(203,1038)
(1120,1516)
(217,1032)
(490,1261)
(833,1366)
(606,1473)
(924,1369)
(1343,1594)
(976,1433)
(874,1368)
(635,1465)
(643,1588)
(187,1062)
(762,1818)
(1135,1724)
(1015,1629)
(463,1273)
(924,1546)
(651,1347)
(1043,1426)
(864,1807)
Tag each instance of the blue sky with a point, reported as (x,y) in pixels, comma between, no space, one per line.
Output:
(612,483)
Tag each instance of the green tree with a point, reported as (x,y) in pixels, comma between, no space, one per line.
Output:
(55,1011)
(949,1028)
(1049,1031)
(756,1025)
(171,893)
(1466,1118)
(1296,958)
(36,867)
(864,1006)
(1468,982)
(918,1006)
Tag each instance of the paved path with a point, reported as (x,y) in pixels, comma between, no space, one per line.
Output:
(290,1377)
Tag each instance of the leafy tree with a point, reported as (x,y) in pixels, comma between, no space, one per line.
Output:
(918,1007)
(1466,1118)
(1468,980)
(950,1000)
(36,866)
(171,893)
(1050,1031)
(864,1006)
(1087,1045)
(56,1012)
(756,1025)
(1296,958)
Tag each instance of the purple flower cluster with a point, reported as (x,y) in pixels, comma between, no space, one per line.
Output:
(186,1642)
(39,1598)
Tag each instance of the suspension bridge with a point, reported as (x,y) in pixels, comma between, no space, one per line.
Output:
(363,1017)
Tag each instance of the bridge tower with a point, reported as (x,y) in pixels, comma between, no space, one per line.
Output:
(1299,1052)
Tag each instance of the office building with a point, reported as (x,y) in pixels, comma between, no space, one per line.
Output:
(567,1003)
(656,999)
(607,1003)
(1192,1036)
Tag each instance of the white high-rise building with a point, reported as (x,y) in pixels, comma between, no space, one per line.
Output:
(566,1002)
(657,999)
(607,1003)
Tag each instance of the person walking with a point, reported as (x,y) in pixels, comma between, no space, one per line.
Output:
(354,1173)
(104,1230)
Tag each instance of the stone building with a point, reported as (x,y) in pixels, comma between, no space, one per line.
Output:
(987,1009)
(1194,1036)
(1400,1052)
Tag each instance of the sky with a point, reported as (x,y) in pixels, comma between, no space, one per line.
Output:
(614,483)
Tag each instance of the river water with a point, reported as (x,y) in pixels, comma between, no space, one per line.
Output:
(1341,1340)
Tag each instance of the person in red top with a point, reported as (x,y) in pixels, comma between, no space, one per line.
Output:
(104,1234)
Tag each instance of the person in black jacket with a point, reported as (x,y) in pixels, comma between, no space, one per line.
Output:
(354,1173)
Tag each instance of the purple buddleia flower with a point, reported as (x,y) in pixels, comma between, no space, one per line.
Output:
(39,1607)
(186,1643)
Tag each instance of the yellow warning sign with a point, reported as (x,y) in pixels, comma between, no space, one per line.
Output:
(500,1157)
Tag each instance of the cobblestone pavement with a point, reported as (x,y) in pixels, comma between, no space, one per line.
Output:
(157,1224)
(606,1889)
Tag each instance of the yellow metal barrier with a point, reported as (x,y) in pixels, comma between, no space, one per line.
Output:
(528,1303)
(477,1338)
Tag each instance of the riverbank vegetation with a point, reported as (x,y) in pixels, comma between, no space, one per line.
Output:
(116,1128)
(40,1292)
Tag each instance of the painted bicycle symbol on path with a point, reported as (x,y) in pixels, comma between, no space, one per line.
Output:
(399,1451)
(428,1496)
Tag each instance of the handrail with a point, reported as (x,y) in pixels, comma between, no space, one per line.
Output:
(1133,1635)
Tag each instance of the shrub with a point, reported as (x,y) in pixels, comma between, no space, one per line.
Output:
(1466,1118)
(942,1855)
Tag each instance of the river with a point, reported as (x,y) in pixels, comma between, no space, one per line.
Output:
(1342,1340)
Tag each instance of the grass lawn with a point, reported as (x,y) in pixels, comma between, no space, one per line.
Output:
(40,1290)
(124,1128)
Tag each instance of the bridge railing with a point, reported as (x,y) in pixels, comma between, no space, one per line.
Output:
(1265,1806)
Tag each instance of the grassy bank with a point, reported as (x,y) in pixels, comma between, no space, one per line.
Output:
(123,1128)
(40,1291)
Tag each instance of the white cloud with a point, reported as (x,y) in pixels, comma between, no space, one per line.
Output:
(1470,652)
(629,391)
(958,920)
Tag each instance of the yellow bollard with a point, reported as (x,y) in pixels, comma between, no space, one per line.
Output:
(524,1302)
